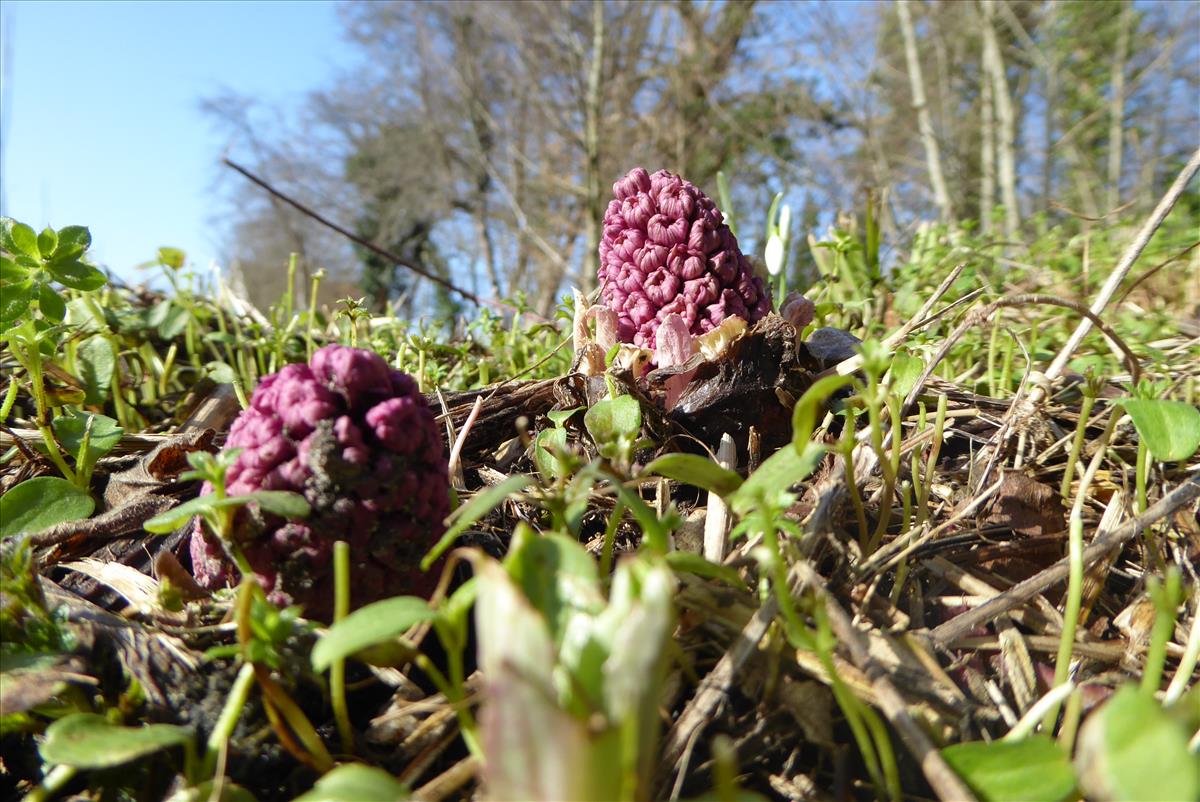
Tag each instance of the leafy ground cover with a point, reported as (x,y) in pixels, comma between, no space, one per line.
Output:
(923,545)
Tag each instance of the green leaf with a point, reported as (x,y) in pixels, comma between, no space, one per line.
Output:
(11,271)
(51,303)
(105,435)
(283,503)
(556,575)
(1131,749)
(18,238)
(905,371)
(559,417)
(614,424)
(89,741)
(221,338)
(72,242)
(174,321)
(480,505)
(1171,429)
(804,414)
(279,502)
(95,363)
(77,275)
(47,242)
(696,471)
(176,517)
(549,440)
(15,300)
(456,608)
(655,534)
(1035,769)
(358,782)
(692,563)
(784,468)
(40,503)
(220,372)
(171,257)
(368,626)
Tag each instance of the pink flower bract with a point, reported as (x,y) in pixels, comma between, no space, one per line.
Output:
(358,441)
(666,250)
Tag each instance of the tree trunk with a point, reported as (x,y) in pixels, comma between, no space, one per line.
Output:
(595,200)
(1116,106)
(925,126)
(993,65)
(987,157)
(1048,125)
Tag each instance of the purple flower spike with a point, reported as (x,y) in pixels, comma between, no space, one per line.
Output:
(666,250)
(358,441)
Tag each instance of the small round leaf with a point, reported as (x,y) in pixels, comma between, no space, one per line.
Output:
(47,242)
(51,303)
(72,242)
(77,275)
(89,741)
(40,503)
(368,626)
(19,238)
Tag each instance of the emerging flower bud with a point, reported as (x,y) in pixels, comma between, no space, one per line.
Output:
(666,250)
(798,310)
(358,441)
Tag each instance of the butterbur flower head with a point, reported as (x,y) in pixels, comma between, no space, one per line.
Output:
(666,250)
(358,441)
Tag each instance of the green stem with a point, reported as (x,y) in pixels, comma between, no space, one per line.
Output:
(168,365)
(993,385)
(1070,725)
(887,755)
(1142,469)
(290,293)
(610,536)
(10,397)
(457,698)
(239,693)
(337,671)
(31,360)
(312,314)
(1187,664)
(1166,596)
(120,406)
(1066,645)
(935,449)
(1085,412)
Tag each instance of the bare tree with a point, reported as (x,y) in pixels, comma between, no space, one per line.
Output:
(592,112)
(987,157)
(481,137)
(1116,122)
(924,124)
(993,65)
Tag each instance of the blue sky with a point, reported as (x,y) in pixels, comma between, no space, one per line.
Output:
(101,119)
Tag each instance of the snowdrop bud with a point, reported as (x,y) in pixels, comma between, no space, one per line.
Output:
(774,254)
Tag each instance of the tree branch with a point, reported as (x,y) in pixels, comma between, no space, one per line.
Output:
(370,246)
